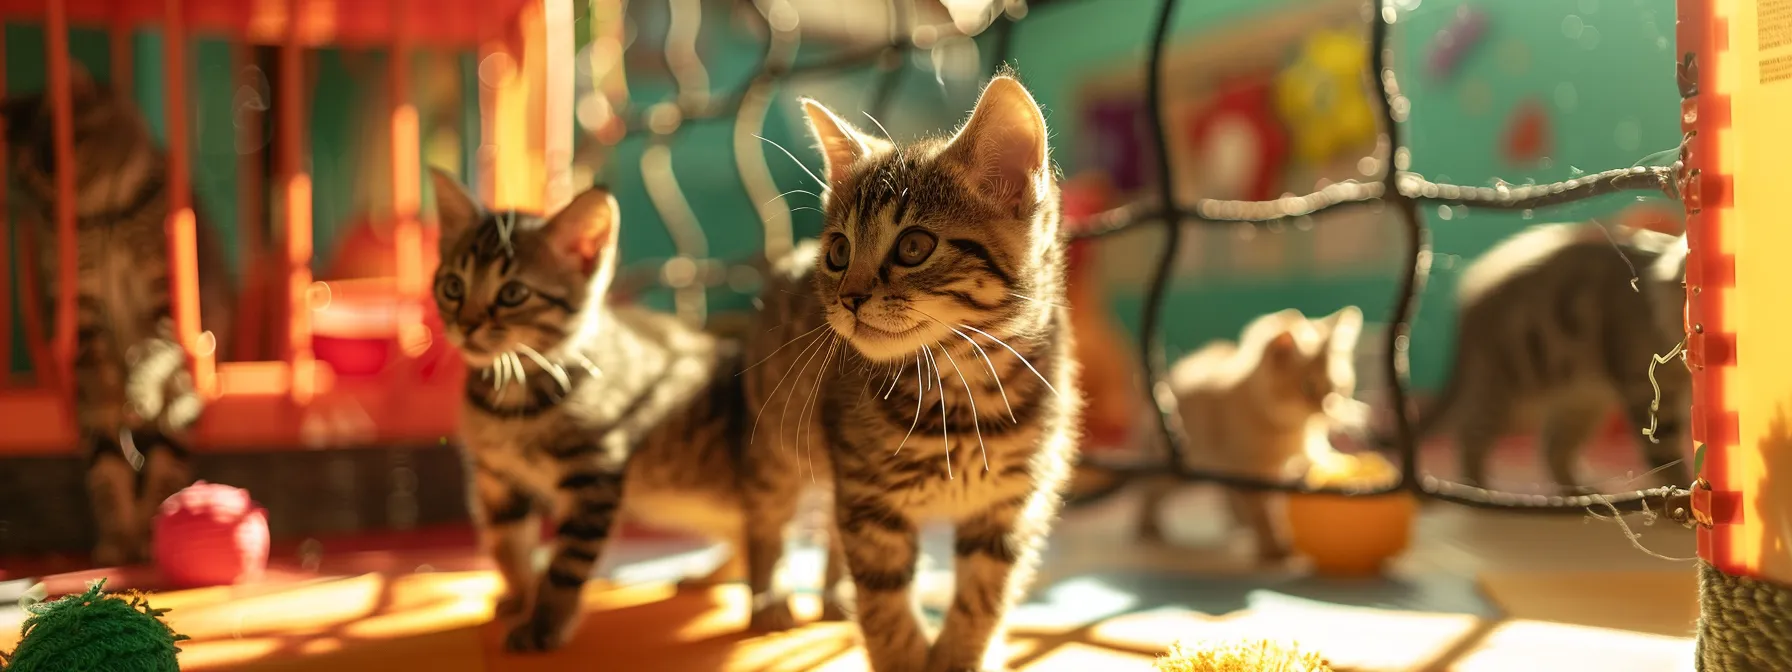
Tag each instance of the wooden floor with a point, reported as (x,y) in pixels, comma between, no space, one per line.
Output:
(1478,591)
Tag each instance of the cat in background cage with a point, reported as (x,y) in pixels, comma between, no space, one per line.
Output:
(1557,325)
(1259,407)
(134,399)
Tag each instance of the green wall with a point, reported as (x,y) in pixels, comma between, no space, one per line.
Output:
(1606,75)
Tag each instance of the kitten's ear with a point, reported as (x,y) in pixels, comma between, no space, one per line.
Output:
(842,145)
(456,209)
(1281,349)
(80,81)
(1001,151)
(1346,328)
(585,234)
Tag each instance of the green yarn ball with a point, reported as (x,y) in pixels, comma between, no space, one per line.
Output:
(94,632)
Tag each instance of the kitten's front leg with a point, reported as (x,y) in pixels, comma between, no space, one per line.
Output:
(511,529)
(770,491)
(881,546)
(588,502)
(995,554)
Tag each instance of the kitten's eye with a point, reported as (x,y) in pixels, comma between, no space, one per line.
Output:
(839,252)
(513,294)
(451,288)
(914,247)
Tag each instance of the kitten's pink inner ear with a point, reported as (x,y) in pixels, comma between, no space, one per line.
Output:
(842,145)
(455,208)
(1003,147)
(586,230)
(1280,348)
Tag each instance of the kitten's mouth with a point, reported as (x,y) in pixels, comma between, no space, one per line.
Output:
(863,331)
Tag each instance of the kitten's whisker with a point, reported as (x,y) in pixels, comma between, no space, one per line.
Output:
(782,347)
(992,370)
(975,426)
(920,389)
(799,164)
(774,393)
(880,125)
(802,419)
(896,379)
(551,368)
(502,369)
(945,430)
(784,414)
(1017,355)
(1042,302)
(590,367)
(993,375)
(517,374)
(787,193)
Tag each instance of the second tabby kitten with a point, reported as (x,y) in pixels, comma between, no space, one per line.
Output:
(929,350)
(1251,407)
(576,410)
(134,400)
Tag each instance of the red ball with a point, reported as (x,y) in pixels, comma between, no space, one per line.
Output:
(211,534)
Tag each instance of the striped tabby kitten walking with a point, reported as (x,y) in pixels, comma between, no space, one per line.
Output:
(1252,407)
(1556,326)
(577,410)
(933,368)
(133,395)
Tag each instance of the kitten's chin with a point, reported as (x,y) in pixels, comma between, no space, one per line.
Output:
(880,345)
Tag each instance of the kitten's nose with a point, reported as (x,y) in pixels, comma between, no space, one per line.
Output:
(853,301)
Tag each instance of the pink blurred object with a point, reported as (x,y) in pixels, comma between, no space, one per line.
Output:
(211,534)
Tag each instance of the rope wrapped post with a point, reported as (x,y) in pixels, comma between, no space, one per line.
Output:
(1742,425)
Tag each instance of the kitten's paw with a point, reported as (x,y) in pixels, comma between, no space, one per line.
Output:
(1274,556)
(539,633)
(772,615)
(510,608)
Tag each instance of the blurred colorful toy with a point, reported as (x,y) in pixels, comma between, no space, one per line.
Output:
(211,534)
(1527,136)
(1455,40)
(1239,656)
(95,632)
(1322,98)
(1238,140)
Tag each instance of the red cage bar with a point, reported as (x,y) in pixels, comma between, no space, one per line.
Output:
(280,403)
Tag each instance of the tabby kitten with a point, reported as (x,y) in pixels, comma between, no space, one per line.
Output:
(1554,327)
(929,350)
(577,410)
(134,398)
(1252,407)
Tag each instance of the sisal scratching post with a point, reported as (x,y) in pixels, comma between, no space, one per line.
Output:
(1734,81)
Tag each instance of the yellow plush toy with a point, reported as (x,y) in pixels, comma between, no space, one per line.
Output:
(1239,656)
(1322,98)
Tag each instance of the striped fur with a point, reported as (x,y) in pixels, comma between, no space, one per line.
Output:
(1253,407)
(918,356)
(133,395)
(1553,331)
(576,410)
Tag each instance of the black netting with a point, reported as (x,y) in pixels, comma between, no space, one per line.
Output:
(1401,190)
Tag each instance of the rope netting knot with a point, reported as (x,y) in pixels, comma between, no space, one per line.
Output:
(1401,190)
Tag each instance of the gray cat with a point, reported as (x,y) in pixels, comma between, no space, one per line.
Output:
(1556,324)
